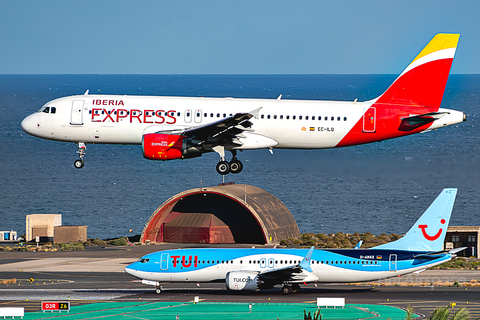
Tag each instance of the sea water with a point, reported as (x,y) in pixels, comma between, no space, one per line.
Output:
(378,187)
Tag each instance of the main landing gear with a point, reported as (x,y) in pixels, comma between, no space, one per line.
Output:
(224,167)
(158,290)
(288,289)
(81,153)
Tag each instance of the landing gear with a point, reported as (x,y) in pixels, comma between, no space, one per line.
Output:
(289,289)
(236,166)
(81,153)
(295,288)
(158,290)
(223,167)
(78,164)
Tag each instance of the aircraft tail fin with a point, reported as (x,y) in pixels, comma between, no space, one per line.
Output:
(423,81)
(428,233)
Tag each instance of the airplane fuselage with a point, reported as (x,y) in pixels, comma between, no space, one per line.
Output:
(328,265)
(290,124)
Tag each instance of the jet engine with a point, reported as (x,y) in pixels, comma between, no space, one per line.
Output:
(241,280)
(159,146)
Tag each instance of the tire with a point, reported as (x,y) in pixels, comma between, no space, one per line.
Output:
(236,166)
(158,290)
(295,288)
(223,167)
(287,290)
(78,164)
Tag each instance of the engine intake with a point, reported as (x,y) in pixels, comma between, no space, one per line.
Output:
(240,280)
(159,146)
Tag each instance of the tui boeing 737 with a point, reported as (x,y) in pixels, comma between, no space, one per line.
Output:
(258,268)
(186,127)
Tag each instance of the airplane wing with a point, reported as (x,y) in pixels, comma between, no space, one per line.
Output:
(289,273)
(437,254)
(227,129)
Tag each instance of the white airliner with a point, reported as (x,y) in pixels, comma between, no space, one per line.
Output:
(258,268)
(185,127)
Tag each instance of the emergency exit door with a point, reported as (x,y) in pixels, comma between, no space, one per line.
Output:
(369,120)
(77,112)
(164,261)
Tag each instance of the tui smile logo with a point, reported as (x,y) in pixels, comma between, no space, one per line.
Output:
(429,237)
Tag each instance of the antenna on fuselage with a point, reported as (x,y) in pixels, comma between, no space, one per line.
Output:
(86,92)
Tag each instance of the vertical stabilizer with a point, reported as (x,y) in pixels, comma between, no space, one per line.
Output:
(428,233)
(423,81)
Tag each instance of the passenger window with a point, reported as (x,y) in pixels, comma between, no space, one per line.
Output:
(274,116)
(306,117)
(338,119)
(299,117)
(293,117)
(268,117)
(224,115)
(332,118)
(345,119)
(326,118)
(281,117)
(288,117)
(218,115)
(313,117)
(211,115)
(263,116)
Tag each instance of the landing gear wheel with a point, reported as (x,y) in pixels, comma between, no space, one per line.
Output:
(236,166)
(223,167)
(78,164)
(295,288)
(158,290)
(287,290)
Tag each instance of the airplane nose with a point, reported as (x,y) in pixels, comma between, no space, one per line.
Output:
(27,124)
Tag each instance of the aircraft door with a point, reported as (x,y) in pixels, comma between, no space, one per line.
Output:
(198,116)
(271,263)
(77,112)
(188,116)
(164,261)
(263,263)
(369,120)
(392,262)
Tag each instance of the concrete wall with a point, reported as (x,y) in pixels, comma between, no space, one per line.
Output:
(70,234)
(41,225)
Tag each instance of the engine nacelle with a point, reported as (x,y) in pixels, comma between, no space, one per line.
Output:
(159,146)
(241,280)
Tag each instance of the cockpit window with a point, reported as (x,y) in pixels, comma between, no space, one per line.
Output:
(48,109)
(143,260)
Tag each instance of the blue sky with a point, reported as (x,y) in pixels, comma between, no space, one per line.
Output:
(230,37)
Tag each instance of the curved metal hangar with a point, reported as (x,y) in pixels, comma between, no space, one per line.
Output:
(223,214)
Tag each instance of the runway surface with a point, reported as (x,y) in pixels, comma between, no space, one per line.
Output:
(97,275)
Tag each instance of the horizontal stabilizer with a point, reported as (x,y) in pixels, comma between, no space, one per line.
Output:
(414,122)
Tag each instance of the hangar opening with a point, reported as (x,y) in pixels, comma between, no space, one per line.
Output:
(222,214)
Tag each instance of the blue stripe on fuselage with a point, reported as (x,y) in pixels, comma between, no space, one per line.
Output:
(182,260)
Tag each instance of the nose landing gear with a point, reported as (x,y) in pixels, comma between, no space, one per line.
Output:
(79,163)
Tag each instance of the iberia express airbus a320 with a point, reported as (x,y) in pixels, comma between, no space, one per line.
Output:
(186,127)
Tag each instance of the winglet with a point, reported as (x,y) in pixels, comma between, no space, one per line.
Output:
(305,264)
(255,112)
(359,244)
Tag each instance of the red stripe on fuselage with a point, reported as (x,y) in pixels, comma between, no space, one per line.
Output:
(418,91)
